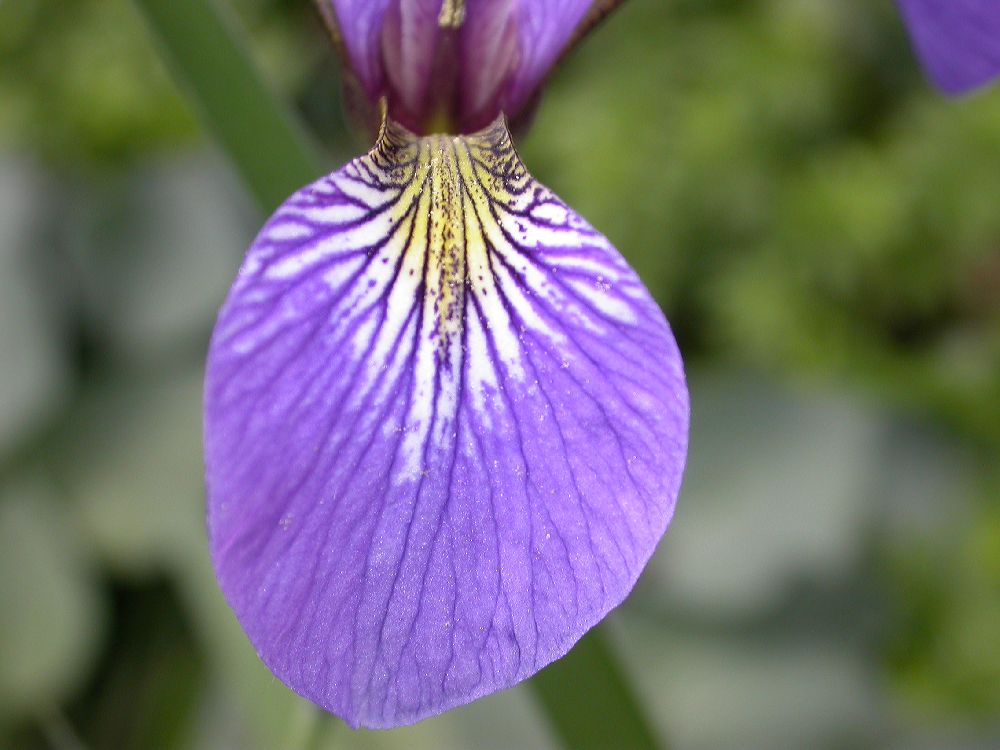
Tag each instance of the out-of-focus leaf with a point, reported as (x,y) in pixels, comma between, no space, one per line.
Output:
(156,251)
(589,701)
(50,613)
(82,86)
(32,366)
(135,468)
(944,658)
(775,494)
(771,692)
(209,56)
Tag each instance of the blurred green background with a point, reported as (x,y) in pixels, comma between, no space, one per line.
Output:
(821,228)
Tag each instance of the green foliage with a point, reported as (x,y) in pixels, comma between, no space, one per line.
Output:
(945,654)
(269,148)
(806,215)
(80,82)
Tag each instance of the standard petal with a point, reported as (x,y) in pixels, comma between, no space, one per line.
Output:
(454,64)
(445,430)
(358,26)
(958,40)
(519,40)
(488,49)
(409,47)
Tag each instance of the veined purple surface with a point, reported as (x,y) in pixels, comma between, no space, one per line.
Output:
(458,61)
(544,30)
(958,40)
(359,27)
(445,429)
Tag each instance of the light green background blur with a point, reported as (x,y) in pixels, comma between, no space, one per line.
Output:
(821,228)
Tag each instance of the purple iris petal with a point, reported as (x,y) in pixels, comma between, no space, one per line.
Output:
(489,45)
(458,62)
(544,30)
(445,430)
(958,40)
(359,26)
(409,47)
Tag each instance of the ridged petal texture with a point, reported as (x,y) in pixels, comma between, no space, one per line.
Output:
(958,40)
(445,430)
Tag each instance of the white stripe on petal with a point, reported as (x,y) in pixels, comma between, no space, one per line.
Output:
(445,428)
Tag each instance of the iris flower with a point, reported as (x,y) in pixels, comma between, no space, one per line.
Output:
(445,422)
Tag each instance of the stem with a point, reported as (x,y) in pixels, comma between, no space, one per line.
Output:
(58,732)
(208,54)
(589,703)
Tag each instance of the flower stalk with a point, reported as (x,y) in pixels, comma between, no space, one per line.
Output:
(208,54)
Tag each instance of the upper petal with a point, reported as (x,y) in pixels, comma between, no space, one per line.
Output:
(445,429)
(508,48)
(410,49)
(488,47)
(545,28)
(958,40)
(457,63)
(357,24)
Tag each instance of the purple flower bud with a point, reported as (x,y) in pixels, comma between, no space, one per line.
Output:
(454,65)
(957,40)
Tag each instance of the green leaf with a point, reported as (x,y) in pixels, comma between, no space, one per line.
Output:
(209,56)
(51,614)
(589,703)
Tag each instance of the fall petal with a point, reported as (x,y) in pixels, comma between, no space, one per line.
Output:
(445,429)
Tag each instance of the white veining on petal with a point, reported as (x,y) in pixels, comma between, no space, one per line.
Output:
(289,231)
(434,384)
(440,230)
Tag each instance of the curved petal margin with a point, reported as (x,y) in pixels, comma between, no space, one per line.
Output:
(958,40)
(508,49)
(445,429)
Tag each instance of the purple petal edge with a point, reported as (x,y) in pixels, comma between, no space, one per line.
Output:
(958,41)
(540,31)
(445,429)
(545,28)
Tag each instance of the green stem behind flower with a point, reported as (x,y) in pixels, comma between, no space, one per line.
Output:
(588,701)
(209,57)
